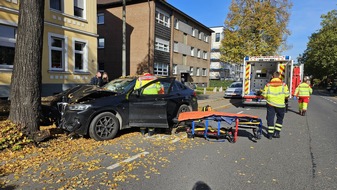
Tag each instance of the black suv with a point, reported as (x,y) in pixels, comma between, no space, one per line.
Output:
(102,112)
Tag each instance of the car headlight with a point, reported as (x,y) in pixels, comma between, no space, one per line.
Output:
(79,107)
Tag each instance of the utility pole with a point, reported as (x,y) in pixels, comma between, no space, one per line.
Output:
(124,41)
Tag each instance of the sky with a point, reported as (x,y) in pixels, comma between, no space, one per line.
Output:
(304,20)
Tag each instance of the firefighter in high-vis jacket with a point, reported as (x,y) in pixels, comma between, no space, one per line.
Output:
(275,92)
(303,92)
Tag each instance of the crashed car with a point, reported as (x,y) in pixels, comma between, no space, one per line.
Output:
(101,112)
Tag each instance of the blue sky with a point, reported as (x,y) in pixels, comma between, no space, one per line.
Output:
(304,20)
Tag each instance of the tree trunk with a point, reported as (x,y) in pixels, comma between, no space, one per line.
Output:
(26,79)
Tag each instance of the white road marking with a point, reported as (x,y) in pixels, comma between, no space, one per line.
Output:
(329,99)
(248,109)
(240,112)
(157,137)
(177,139)
(127,160)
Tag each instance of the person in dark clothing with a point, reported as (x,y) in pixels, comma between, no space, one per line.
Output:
(105,78)
(97,79)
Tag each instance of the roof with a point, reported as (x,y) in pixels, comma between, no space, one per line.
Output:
(117,3)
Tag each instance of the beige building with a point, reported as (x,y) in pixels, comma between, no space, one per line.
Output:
(69,43)
(158,36)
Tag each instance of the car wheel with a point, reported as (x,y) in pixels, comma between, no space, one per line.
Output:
(183,108)
(104,126)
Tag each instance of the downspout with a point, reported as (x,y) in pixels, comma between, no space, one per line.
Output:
(149,39)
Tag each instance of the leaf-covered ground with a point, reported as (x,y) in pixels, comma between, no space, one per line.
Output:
(65,163)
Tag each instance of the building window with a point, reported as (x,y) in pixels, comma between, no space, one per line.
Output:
(204,72)
(13,1)
(199,52)
(56,4)
(217,37)
(57,52)
(161,69)
(100,43)
(192,51)
(175,47)
(80,55)
(162,45)
(198,71)
(176,23)
(162,18)
(200,35)
(100,18)
(206,38)
(7,46)
(79,8)
(194,32)
(205,55)
(175,69)
(191,71)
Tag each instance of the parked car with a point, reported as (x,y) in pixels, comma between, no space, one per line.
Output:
(101,112)
(234,90)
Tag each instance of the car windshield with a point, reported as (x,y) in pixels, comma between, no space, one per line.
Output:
(119,85)
(235,85)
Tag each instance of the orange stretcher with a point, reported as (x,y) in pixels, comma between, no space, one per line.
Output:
(198,124)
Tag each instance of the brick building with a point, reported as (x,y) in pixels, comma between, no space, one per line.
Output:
(158,36)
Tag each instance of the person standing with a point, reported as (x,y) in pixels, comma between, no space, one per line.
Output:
(142,80)
(105,79)
(303,92)
(97,79)
(275,92)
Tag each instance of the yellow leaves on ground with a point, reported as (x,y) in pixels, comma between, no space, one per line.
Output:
(65,163)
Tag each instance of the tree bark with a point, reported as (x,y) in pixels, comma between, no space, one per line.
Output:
(25,94)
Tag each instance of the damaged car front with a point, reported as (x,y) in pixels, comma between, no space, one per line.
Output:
(79,108)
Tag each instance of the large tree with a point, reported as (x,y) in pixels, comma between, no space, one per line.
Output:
(255,27)
(25,94)
(320,57)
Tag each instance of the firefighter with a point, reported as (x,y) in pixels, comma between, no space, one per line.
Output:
(303,92)
(275,92)
(150,90)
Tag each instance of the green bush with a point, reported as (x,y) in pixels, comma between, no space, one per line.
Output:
(219,83)
(215,83)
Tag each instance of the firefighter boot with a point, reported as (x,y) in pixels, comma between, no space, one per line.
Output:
(270,136)
(277,134)
(150,132)
(142,130)
(303,112)
(300,112)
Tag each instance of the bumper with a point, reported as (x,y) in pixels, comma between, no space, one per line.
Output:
(75,122)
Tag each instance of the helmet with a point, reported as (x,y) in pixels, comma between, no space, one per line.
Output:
(306,78)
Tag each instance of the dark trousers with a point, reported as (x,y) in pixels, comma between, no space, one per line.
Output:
(271,112)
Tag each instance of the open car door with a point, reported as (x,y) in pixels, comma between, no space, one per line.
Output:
(148,108)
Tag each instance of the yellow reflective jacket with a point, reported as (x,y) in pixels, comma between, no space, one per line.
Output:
(275,92)
(303,90)
(146,78)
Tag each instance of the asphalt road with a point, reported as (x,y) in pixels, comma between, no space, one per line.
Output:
(305,157)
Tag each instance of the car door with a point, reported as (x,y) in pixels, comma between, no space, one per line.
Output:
(150,109)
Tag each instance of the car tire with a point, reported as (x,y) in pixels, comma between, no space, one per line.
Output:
(183,108)
(104,126)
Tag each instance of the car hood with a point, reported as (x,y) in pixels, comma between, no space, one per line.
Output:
(87,93)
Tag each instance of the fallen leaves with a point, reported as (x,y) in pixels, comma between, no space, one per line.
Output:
(62,163)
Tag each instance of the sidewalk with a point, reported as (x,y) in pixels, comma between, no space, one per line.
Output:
(214,99)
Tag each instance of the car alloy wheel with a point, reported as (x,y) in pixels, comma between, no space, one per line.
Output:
(104,126)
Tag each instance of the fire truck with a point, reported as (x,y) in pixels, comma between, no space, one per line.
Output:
(258,71)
